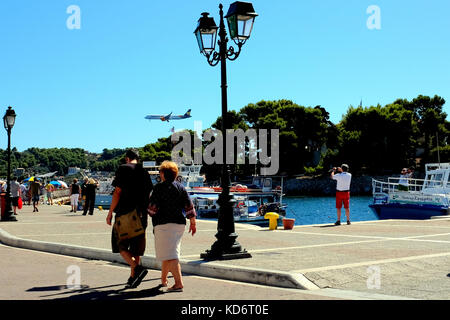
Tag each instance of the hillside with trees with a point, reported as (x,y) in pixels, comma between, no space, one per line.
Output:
(372,140)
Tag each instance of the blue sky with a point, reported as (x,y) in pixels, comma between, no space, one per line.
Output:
(92,87)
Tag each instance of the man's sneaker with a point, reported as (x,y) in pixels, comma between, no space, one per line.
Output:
(348,222)
(337,223)
(129,283)
(139,274)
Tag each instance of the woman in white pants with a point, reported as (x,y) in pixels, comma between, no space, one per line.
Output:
(167,202)
(75,195)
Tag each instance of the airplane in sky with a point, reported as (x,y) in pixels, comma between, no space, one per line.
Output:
(169,116)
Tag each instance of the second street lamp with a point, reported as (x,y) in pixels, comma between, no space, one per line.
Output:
(8,121)
(240,19)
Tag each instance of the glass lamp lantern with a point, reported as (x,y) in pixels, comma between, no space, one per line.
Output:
(9,118)
(206,33)
(240,18)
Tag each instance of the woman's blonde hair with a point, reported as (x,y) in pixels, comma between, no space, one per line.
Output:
(169,169)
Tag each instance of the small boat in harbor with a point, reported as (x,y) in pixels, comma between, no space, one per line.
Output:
(251,202)
(416,199)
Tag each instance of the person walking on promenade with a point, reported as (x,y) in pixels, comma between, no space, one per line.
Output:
(75,195)
(343,178)
(50,188)
(24,192)
(132,191)
(167,202)
(35,189)
(89,195)
(15,194)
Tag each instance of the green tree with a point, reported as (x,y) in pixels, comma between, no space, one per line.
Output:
(304,131)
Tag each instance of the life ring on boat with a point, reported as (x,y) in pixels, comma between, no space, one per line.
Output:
(240,204)
(239,188)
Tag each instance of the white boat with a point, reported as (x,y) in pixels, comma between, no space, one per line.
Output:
(251,202)
(188,175)
(417,199)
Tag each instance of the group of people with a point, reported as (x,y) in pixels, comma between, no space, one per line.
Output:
(86,192)
(164,203)
(26,193)
(32,191)
(344,178)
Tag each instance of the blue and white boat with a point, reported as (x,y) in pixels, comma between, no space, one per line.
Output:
(415,199)
(251,202)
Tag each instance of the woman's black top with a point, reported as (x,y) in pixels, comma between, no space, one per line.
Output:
(75,188)
(167,203)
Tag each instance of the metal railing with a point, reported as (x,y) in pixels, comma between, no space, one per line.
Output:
(411,185)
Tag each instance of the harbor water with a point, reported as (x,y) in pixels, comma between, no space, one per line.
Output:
(103,200)
(320,210)
(305,210)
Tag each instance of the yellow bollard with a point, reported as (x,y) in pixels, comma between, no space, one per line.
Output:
(100,208)
(273,219)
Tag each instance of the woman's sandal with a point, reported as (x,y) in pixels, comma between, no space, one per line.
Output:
(173,289)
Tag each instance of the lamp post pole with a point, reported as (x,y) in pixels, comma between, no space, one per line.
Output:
(8,215)
(226,246)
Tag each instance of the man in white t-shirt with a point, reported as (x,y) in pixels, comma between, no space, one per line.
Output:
(343,178)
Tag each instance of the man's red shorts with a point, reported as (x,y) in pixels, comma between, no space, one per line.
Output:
(342,197)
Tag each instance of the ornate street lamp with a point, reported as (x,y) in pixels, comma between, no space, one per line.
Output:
(8,121)
(206,33)
(240,18)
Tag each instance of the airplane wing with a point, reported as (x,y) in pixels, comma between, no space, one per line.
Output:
(159,117)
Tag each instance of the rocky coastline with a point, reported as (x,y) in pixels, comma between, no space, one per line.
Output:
(325,186)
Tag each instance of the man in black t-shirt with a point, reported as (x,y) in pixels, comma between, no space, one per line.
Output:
(132,191)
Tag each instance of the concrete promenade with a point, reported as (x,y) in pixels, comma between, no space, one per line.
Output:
(390,259)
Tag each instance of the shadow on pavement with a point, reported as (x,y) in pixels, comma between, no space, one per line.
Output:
(87,293)
(327,226)
(54,288)
(121,294)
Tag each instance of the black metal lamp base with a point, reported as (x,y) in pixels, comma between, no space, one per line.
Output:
(9,218)
(225,248)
